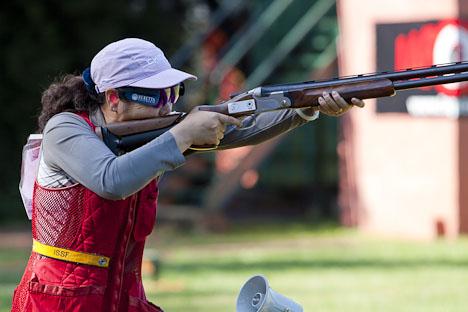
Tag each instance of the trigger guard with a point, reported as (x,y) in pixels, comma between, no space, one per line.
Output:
(253,123)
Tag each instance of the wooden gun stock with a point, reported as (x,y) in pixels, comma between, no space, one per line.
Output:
(125,136)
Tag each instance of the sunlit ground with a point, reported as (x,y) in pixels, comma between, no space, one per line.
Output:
(326,269)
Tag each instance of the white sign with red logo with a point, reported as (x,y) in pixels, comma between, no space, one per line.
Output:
(449,42)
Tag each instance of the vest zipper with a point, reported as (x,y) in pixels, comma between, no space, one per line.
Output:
(132,213)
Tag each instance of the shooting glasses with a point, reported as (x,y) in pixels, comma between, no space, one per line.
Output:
(152,97)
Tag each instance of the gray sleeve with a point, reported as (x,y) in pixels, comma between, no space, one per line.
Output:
(257,129)
(69,144)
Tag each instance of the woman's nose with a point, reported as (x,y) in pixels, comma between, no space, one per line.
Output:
(166,109)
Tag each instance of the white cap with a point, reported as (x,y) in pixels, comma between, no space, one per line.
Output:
(136,63)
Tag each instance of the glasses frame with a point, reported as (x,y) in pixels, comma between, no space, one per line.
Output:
(152,97)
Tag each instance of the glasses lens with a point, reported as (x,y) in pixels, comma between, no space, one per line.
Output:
(162,98)
(170,94)
(175,93)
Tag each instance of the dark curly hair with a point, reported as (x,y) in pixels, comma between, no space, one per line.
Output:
(66,94)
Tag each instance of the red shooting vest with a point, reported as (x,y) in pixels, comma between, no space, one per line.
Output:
(75,218)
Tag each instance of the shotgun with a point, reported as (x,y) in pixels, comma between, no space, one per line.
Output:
(123,137)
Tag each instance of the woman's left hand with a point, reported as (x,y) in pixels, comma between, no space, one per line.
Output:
(334,105)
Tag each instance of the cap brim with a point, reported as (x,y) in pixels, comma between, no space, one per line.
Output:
(168,78)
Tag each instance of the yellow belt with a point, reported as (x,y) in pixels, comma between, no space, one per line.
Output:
(70,255)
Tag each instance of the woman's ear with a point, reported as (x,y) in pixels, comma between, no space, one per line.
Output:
(112,99)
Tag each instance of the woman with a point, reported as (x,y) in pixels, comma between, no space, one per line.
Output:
(92,210)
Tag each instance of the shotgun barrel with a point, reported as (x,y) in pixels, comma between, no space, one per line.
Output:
(425,73)
(126,136)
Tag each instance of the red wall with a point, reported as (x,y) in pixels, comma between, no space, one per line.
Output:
(401,175)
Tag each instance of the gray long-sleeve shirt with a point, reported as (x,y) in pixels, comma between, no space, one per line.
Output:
(72,152)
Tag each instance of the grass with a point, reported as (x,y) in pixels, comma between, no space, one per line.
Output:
(323,269)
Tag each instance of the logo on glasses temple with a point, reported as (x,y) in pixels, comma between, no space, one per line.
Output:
(143,98)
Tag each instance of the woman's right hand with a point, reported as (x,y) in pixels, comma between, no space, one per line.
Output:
(202,128)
